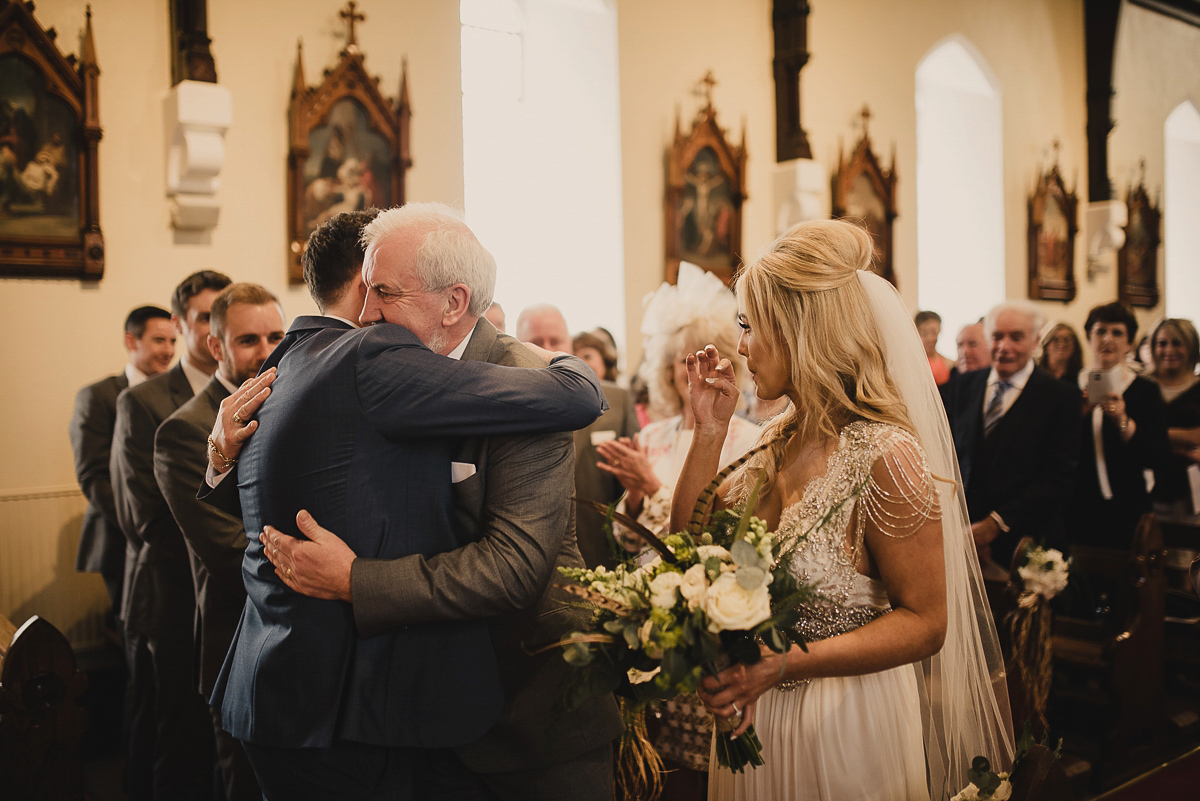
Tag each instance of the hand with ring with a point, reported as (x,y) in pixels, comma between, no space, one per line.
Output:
(318,566)
(234,425)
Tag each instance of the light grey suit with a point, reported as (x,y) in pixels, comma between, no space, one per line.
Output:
(518,502)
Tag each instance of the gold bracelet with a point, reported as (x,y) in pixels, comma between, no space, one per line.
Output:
(228,462)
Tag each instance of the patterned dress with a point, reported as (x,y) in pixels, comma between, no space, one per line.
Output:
(858,737)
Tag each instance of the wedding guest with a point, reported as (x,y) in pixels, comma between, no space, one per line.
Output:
(150,345)
(1015,436)
(495,316)
(596,354)
(974,351)
(1176,350)
(853,482)
(1062,354)
(1123,437)
(681,319)
(544,326)
(929,326)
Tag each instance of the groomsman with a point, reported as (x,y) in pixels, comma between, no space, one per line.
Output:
(150,343)
(1015,429)
(245,326)
(171,740)
(544,326)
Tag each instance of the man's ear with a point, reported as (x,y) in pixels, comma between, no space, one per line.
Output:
(130,341)
(458,298)
(177,321)
(214,347)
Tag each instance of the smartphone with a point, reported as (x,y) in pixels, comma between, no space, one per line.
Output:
(1098,386)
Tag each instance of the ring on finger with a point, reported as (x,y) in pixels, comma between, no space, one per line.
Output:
(237,418)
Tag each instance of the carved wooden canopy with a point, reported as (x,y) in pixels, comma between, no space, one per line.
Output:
(1053,223)
(705,189)
(1137,261)
(49,138)
(348,144)
(865,193)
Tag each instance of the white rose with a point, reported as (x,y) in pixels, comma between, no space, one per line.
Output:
(1003,792)
(694,586)
(709,551)
(968,793)
(641,676)
(730,607)
(662,589)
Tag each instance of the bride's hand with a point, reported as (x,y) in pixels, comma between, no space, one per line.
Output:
(739,687)
(711,390)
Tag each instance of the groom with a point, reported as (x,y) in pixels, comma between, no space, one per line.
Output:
(359,429)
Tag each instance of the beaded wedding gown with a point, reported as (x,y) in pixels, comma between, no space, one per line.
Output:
(852,737)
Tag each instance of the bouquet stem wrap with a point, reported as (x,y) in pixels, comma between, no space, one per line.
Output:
(1030,627)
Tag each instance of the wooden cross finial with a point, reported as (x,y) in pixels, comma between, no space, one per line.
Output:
(351,16)
(1055,145)
(865,114)
(708,82)
(1141,172)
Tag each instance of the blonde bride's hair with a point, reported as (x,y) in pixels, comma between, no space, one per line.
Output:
(803,297)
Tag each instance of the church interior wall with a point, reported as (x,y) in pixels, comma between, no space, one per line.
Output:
(64,333)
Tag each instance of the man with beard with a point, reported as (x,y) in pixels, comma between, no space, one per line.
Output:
(246,325)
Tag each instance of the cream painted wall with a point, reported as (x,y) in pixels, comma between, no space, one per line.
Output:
(64,333)
(863,51)
(1157,67)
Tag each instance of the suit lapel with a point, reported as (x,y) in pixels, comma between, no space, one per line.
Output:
(180,387)
(479,346)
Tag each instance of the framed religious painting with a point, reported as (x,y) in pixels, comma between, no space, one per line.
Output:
(705,189)
(1137,260)
(49,140)
(349,145)
(865,193)
(1052,228)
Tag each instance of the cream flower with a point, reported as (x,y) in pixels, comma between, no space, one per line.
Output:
(707,552)
(662,589)
(694,586)
(730,607)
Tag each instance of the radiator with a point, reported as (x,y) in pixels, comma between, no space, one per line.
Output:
(39,532)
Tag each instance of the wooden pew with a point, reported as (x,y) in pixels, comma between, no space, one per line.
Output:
(1109,671)
(40,721)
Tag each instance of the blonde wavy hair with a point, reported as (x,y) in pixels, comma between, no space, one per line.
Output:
(803,297)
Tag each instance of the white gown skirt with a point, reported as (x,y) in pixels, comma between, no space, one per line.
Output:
(834,739)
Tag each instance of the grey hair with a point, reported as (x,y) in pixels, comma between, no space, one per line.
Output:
(537,310)
(663,351)
(450,254)
(1036,317)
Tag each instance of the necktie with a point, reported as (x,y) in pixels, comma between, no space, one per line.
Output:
(995,408)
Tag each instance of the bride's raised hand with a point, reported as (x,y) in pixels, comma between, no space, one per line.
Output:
(711,391)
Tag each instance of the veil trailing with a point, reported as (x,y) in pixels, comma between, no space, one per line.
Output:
(964,689)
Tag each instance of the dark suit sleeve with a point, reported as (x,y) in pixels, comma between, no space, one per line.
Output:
(215,538)
(1052,472)
(527,512)
(91,433)
(132,466)
(225,495)
(411,391)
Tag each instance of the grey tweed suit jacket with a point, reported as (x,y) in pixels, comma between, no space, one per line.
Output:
(518,502)
(101,544)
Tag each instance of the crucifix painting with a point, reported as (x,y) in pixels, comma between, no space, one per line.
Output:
(864,193)
(349,144)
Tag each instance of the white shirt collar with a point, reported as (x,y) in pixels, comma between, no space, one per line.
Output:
(225,382)
(1017,380)
(134,375)
(195,376)
(350,323)
(460,349)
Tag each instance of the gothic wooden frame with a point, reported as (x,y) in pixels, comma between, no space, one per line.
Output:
(863,163)
(1137,260)
(310,109)
(1052,253)
(681,212)
(27,249)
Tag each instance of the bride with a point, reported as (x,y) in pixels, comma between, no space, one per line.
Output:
(902,684)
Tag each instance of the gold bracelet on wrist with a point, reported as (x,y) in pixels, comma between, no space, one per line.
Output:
(228,462)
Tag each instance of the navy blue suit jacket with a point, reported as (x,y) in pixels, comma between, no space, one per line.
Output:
(359,429)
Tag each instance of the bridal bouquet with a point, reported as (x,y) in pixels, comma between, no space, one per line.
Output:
(710,597)
(1044,574)
(1041,575)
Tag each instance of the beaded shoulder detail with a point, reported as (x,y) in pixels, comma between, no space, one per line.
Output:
(880,471)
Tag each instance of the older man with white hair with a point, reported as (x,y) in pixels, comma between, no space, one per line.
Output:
(1015,429)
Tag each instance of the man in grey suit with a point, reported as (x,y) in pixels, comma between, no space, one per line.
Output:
(511,499)
(150,343)
(167,715)
(245,326)
(544,326)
